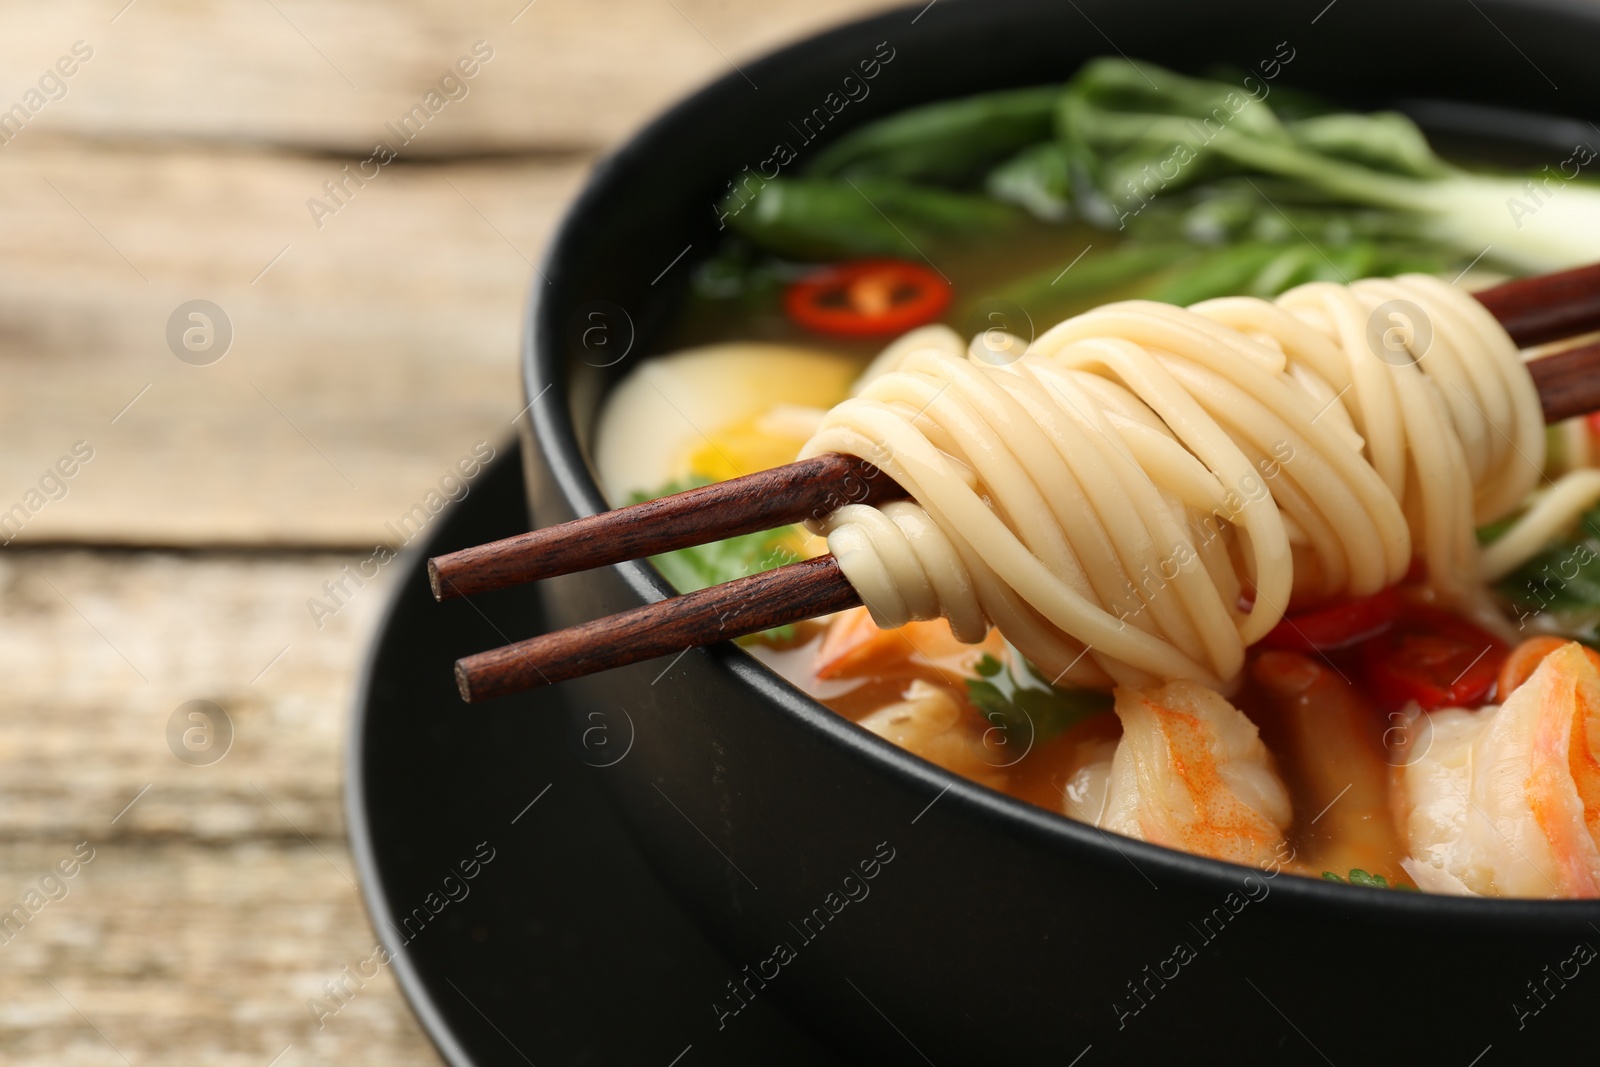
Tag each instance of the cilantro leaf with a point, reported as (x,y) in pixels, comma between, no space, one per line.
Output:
(1563,577)
(1027,704)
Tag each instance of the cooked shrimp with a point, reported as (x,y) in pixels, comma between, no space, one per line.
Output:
(1506,800)
(1070,772)
(1088,788)
(929,723)
(1525,659)
(855,646)
(1330,741)
(1190,772)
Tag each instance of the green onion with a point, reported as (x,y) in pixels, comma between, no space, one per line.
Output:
(945,143)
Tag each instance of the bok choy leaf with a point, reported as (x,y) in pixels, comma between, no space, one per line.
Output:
(1139,133)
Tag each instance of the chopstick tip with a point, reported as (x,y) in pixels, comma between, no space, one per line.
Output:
(463,682)
(435,582)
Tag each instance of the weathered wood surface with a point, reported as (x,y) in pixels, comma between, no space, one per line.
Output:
(373,353)
(219,902)
(364,363)
(382,344)
(327,74)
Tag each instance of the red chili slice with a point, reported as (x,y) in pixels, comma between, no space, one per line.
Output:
(1433,657)
(1337,625)
(867,298)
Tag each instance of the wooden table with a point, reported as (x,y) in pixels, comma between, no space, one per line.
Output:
(371,347)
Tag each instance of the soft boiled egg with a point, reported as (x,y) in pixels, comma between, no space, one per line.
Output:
(714,412)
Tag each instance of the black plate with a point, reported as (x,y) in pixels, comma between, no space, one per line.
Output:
(563,948)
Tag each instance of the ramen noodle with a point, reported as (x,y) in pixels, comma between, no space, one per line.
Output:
(1135,496)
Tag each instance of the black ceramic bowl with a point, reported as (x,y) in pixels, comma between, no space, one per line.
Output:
(992,931)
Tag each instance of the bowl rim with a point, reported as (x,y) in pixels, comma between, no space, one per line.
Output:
(552,430)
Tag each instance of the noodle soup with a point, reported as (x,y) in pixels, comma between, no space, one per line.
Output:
(1340,606)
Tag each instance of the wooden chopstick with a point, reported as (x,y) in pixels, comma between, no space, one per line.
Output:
(1533,310)
(743,606)
(1569,385)
(809,488)
(1547,307)
(1568,382)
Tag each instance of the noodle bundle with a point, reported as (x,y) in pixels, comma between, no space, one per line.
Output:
(1136,495)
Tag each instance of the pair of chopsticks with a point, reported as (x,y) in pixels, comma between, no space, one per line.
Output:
(1533,311)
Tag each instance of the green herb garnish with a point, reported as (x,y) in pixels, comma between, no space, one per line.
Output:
(946,143)
(823,218)
(1371,881)
(701,566)
(1564,577)
(1018,700)
(1492,532)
